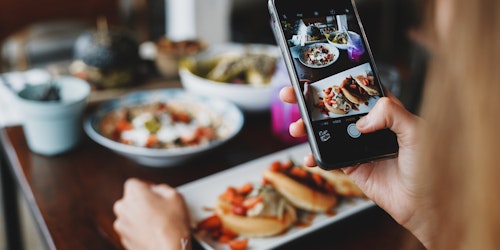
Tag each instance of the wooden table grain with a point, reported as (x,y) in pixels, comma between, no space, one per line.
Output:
(71,195)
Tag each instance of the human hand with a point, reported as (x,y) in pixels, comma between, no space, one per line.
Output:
(389,183)
(150,216)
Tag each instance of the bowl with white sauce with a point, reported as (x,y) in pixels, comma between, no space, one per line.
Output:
(163,127)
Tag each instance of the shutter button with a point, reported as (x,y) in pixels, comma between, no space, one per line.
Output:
(353,131)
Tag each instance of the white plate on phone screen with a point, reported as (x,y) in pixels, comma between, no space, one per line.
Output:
(202,194)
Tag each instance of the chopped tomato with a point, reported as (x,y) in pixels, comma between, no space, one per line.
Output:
(251,202)
(181,117)
(317,179)
(265,181)
(227,232)
(286,165)
(246,188)
(228,195)
(237,200)
(329,187)
(224,239)
(299,172)
(238,244)
(152,140)
(239,210)
(123,125)
(210,223)
(275,166)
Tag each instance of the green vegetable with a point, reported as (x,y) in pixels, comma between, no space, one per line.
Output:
(153,125)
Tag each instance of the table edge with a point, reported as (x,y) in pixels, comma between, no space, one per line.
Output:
(20,179)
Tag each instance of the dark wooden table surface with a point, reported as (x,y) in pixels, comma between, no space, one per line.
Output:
(71,195)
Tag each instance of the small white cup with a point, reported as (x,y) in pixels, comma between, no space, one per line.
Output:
(54,127)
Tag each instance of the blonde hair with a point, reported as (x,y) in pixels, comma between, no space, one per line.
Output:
(460,161)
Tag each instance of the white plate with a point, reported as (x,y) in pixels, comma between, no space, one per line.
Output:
(337,79)
(341,46)
(332,50)
(202,194)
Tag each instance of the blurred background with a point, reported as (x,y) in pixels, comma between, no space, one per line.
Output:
(34,33)
(38,33)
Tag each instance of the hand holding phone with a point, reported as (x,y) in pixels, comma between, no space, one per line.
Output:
(334,77)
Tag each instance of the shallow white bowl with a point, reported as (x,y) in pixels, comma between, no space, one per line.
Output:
(231,115)
(338,45)
(248,97)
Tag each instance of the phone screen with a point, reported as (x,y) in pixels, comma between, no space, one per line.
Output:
(329,59)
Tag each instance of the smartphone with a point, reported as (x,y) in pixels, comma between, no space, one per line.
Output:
(334,76)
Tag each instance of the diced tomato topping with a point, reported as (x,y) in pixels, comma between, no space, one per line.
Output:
(152,140)
(251,202)
(286,165)
(238,244)
(228,195)
(227,232)
(224,239)
(265,181)
(239,210)
(329,187)
(123,125)
(299,172)
(246,188)
(317,179)
(210,223)
(275,166)
(181,117)
(237,200)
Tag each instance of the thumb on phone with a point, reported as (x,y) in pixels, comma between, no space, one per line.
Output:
(388,113)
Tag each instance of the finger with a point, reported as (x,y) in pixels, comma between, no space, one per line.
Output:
(287,95)
(391,96)
(134,185)
(118,226)
(297,128)
(387,114)
(164,190)
(118,207)
(309,161)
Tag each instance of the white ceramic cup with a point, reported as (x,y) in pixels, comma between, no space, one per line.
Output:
(54,127)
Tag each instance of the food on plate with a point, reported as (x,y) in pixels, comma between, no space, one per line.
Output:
(212,225)
(339,37)
(353,92)
(170,124)
(303,189)
(251,68)
(289,197)
(313,33)
(327,31)
(368,84)
(335,102)
(318,55)
(342,183)
(254,211)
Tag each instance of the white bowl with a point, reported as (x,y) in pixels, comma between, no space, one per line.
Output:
(339,45)
(250,98)
(229,114)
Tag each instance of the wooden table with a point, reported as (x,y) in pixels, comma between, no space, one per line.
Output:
(71,196)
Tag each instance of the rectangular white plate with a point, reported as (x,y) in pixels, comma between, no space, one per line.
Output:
(202,194)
